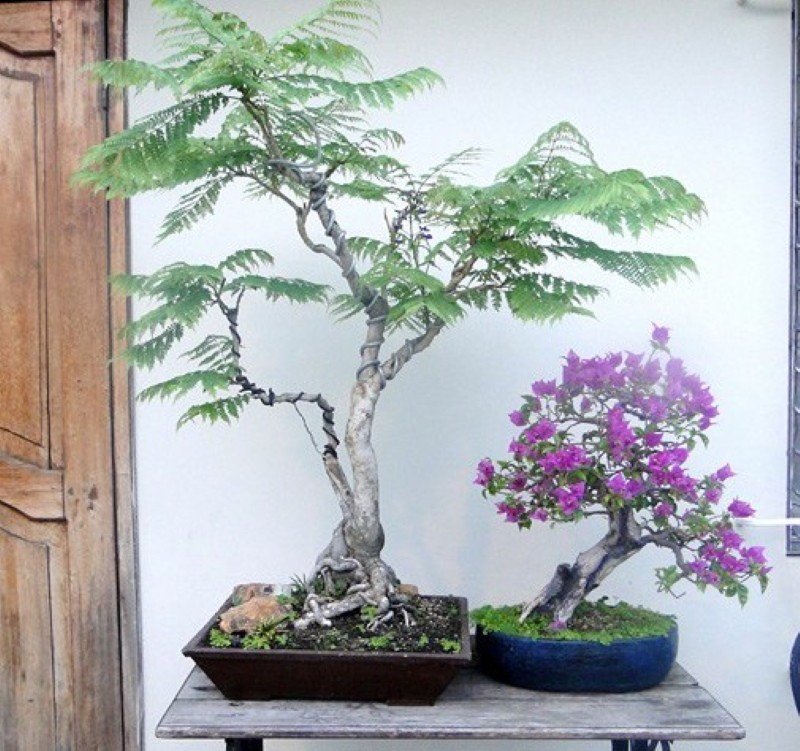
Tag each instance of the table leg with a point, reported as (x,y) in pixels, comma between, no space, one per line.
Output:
(244,744)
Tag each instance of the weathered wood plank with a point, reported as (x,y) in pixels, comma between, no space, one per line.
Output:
(81,400)
(26,28)
(473,707)
(37,493)
(128,574)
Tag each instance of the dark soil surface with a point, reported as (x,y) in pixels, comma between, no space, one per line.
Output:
(435,626)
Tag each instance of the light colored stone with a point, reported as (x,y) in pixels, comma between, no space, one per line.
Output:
(244,592)
(408,589)
(248,616)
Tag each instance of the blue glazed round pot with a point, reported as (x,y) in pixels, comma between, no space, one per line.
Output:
(577,666)
(794,672)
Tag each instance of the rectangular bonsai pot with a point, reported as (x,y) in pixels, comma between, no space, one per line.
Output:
(405,678)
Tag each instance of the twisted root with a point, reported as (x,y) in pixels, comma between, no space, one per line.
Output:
(374,586)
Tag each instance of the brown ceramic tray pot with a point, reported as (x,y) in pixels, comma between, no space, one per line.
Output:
(407,678)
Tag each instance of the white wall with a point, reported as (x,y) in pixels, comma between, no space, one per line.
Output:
(697,90)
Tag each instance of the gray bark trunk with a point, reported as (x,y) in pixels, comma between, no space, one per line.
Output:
(572,583)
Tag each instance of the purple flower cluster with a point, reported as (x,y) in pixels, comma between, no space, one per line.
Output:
(617,432)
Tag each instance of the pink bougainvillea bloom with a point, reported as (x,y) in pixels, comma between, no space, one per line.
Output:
(517,418)
(565,459)
(544,388)
(512,513)
(518,482)
(633,361)
(569,499)
(660,335)
(723,473)
(625,489)
(651,440)
(662,510)
(740,509)
(617,485)
(540,515)
(543,430)
(730,539)
(755,554)
(518,449)
(485,472)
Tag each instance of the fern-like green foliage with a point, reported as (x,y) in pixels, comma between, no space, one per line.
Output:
(185,294)
(246,106)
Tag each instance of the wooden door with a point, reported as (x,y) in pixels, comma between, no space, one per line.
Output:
(68,667)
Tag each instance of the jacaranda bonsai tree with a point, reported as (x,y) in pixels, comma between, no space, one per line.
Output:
(286,115)
(612,439)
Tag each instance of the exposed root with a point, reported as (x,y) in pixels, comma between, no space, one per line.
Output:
(373,586)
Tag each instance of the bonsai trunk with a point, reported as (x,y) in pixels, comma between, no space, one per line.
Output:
(354,551)
(571,584)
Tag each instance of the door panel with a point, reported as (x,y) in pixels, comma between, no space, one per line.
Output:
(25,92)
(33,611)
(26,28)
(68,656)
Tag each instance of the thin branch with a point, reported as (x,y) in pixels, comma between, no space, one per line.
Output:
(268,396)
(272,190)
(412,347)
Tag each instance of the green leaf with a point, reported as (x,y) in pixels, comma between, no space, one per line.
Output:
(333,17)
(151,351)
(135,74)
(214,352)
(546,299)
(384,93)
(279,288)
(193,206)
(362,189)
(369,248)
(221,410)
(246,259)
(210,381)
(389,274)
(406,311)
(638,267)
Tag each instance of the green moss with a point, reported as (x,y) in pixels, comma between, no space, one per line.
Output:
(592,621)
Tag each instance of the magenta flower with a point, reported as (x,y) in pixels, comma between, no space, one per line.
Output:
(512,513)
(569,498)
(544,388)
(540,514)
(662,510)
(660,335)
(565,459)
(517,418)
(518,482)
(740,509)
(723,473)
(755,554)
(624,488)
(731,539)
(485,472)
(620,435)
(651,440)
(543,430)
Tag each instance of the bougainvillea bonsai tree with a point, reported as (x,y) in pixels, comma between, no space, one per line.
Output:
(286,115)
(613,438)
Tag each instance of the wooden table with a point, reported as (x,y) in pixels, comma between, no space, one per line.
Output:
(473,707)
